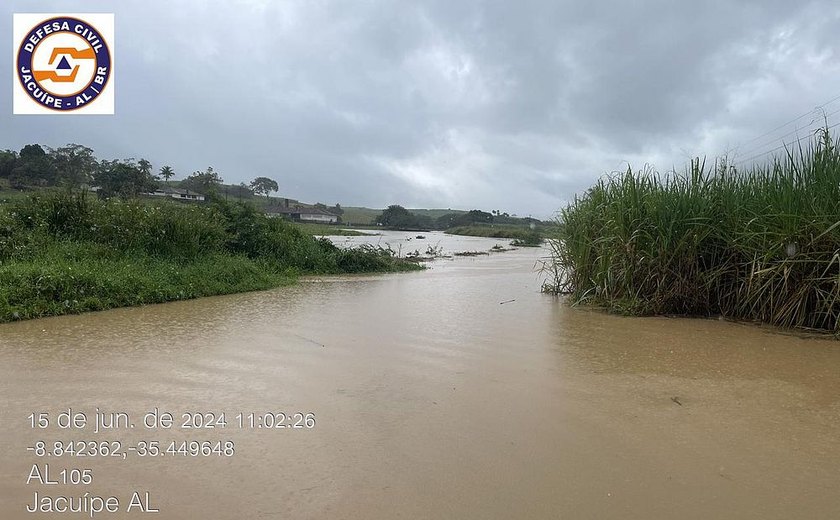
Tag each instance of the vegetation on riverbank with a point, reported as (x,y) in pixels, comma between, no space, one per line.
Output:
(472,223)
(66,252)
(531,239)
(360,216)
(498,231)
(756,244)
(324,230)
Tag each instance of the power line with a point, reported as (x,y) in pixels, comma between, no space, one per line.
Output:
(796,130)
(818,107)
(772,142)
(784,145)
(809,126)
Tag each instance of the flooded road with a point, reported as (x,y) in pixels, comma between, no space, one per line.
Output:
(454,393)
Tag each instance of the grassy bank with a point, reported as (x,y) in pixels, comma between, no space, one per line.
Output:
(531,240)
(67,253)
(323,230)
(525,234)
(757,244)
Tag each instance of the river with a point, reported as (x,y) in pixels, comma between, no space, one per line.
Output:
(458,392)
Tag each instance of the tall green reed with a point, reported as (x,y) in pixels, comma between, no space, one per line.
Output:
(761,243)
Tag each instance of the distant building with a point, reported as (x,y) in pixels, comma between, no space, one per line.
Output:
(177,193)
(302,214)
(282,202)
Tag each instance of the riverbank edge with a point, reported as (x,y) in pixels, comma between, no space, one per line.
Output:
(32,290)
(518,233)
(330,230)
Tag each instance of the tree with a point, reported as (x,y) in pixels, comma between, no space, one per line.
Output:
(264,185)
(125,179)
(167,173)
(393,216)
(145,167)
(8,158)
(475,216)
(32,168)
(74,164)
(243,189)
(203,182)
(396,216)
(336,210)
(478,216)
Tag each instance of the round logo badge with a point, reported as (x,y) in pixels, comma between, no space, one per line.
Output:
(63,63)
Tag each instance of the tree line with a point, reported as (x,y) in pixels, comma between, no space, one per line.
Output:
(76,166)
(398,217)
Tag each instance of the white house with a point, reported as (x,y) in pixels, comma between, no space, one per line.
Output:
(177,193)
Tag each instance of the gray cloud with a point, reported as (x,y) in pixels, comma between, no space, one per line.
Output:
(498,105)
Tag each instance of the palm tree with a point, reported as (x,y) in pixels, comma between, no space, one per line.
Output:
(166,172)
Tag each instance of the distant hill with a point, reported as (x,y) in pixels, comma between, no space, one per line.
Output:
(435,213)
(364,216)
(359,216)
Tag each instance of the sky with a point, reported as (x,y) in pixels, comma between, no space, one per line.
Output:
(515,106)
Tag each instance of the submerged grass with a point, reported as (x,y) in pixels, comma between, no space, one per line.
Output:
(531,239)
(315,229)
(68,253)
(495,231)
(758,244)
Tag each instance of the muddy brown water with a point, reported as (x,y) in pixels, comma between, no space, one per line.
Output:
(432,399)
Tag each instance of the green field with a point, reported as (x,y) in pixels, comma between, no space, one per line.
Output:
(8,195)
(359,216)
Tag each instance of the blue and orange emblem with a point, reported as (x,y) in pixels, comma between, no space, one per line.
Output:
(64,63)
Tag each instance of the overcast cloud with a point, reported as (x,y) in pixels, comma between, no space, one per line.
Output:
(502,105)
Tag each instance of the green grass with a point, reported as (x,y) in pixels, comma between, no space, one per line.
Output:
(359,216)
(64,253)
(10,196)
(531,239)
(72,278)
(496,231)
(434,214)
(757,244)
